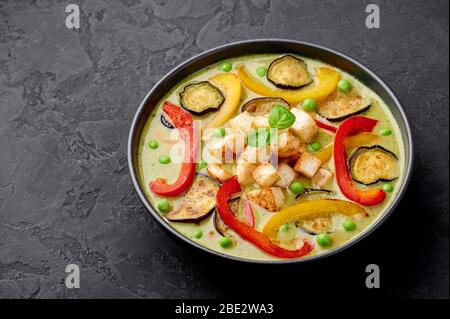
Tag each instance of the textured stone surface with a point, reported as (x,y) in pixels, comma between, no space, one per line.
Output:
(66,102)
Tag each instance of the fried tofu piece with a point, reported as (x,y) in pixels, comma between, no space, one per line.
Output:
(287,175)
(242,123)
(270,198)
(261,121)
(265,174)
(244,171)
(257,155)
(304,126)
(216,171)
(322,177)
(307,164)
(288,144)
(226,148)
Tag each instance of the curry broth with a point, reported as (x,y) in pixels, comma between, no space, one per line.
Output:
(150,168)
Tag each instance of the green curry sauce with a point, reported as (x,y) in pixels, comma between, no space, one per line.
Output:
(150,168)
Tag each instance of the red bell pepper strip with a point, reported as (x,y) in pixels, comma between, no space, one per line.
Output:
(326,126)
(248,213)
(352,126)
(183,121)
(247,232)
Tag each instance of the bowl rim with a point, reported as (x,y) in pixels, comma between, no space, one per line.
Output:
(409,150)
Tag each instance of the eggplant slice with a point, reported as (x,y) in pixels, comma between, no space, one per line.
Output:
(219,225)
(314,226)
(372,164)
(197,203)
(288,72)
(263,105)
(338,107)
(166,122)
(314,193)
(200,98)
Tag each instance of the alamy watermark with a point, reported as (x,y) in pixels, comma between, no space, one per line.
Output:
(73,16)
(73,277)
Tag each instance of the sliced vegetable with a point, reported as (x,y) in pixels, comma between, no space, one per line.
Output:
(166,122)
(249,233)
(230,86)
(280,117)
(327,81)
(197,203)
(309,210)
(314,194)
(288,72)
(219,225)
(325,126)
(248,213)
(182,121)
(341,106)
(317,225)
(200,98)
(372,164)
(263,105)
(352,126)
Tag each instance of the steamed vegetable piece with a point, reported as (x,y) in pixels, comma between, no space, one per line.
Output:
(327,80)
(338,107)
(200,98)
(263,105)
(314,193)
(184,123)
(371,164)
(247,232)
(309,210)
(197,203)
(219,225)
(166,122)
(288,72)
(351,126)
(317,225)
(230,86)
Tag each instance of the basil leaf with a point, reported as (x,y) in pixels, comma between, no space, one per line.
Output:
(260,137)
(280,117)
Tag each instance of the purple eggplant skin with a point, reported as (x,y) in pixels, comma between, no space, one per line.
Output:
(166,122)
(219,225)
(309,191)
(368,148)
(255,105)
(203,112)
(282,86)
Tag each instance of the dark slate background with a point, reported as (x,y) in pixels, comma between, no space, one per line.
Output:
(66,102)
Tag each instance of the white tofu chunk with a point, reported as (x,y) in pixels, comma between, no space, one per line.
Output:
(216,171)
(288,144)
(307,164)
(287,175)
(322,177)
(265,174)
(270,198)
(225,148)
(242,123)
(257,155)
(261,121)
(304,126)
(244,171)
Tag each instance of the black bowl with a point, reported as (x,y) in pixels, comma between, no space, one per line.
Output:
(265,46)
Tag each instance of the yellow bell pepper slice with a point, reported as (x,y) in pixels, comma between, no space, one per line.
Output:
(311,209)
(326,83)
(353,141)
(231,88)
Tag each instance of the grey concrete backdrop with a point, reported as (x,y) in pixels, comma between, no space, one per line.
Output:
(66,102)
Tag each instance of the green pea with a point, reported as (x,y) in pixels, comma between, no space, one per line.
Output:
(201,165)
(387,187)
(296,188)
(225,242)
(226,66)
(197,234)
(349,225)
(386,132)
(324,239)
(315,146)
(344,86)
(261,71)
(285,227)
(309,105)
(219,132)
(153,144)
(163,205)
(164,159)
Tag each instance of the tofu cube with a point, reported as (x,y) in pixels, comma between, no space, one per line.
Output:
(288,144)
(225,148)
(307,164)
(322,177)
(257,155)
(216,171)
(242,123)
(244,171)
(270,198)
(287,175)
(265,174)
(304,126)
(261,121)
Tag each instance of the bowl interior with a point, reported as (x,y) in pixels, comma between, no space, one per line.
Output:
(263,47)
